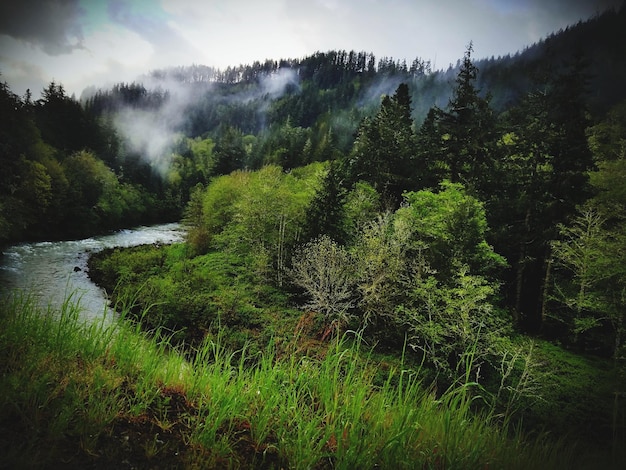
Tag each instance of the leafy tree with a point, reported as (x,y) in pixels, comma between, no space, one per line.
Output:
(325,270)
(86,176)
(455,324)
(119,204)
(381,265)
(449,281)
(193,218)
(588,257)
(361,207)
(260,214)
(607,141)
(203,158)
(32,194)
(427,270)
(593,293)
(218,205)
(451,226)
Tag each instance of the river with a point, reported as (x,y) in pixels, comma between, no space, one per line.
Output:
(53,270)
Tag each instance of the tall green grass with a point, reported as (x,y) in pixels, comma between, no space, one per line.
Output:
(103,393)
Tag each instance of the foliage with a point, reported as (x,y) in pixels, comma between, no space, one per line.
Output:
(459,143)
(450,227)
(545,172)
(304,186)
(165,288)
(65,383)
(326,214)
(54,181)
(448,311)
(592,254)
(325,270)
(424,271)
(589,278)
(261,213)
(455,326)
(381,267)
(362,206)
(383,151)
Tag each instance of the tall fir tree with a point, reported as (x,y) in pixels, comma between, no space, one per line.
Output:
(325,214)
(383,153)
(459,143)
(546,177)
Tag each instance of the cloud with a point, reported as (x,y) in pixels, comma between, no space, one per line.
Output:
(154,25)
(236,32)
(52,25)
(95,42)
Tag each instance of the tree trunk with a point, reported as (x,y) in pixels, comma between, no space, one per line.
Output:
(519,283)
(546,290)
(521,267)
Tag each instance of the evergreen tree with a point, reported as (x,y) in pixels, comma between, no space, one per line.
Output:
(546,178)
(459,143)
(230,152)
(572,160)
(384,149)
(325,214)
(63,122)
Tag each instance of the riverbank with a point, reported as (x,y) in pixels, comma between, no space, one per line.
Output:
(95,396)
(52,270)
(542,387)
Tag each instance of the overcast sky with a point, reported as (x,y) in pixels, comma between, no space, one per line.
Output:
(100,42)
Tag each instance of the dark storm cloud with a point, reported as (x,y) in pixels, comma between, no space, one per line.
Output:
(584,7)
(52,25)
(553,12)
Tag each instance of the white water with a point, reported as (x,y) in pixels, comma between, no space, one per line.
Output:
(53,270)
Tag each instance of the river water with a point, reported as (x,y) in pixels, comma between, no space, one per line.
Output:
(53,270)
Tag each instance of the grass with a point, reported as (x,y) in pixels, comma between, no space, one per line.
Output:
(102,394)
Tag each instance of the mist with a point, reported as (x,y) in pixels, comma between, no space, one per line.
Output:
(153,133)
(275,84)
(197,102)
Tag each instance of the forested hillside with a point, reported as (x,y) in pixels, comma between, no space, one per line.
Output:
(521,135)
(470,223)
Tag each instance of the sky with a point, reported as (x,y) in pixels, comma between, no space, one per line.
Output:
(81,43)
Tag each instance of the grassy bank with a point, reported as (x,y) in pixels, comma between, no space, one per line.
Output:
(104,394)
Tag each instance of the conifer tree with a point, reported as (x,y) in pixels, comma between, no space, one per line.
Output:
(384,149)
(325,214)
(459,143)
(546,171)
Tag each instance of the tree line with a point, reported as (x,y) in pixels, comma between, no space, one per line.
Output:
(532,166)
(58,180)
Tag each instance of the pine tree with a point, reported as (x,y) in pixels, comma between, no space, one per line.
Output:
(384,149)
(546,171)
(325,214)
(229,151)
(459,143)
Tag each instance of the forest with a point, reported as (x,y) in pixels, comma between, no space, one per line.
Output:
(467,225)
